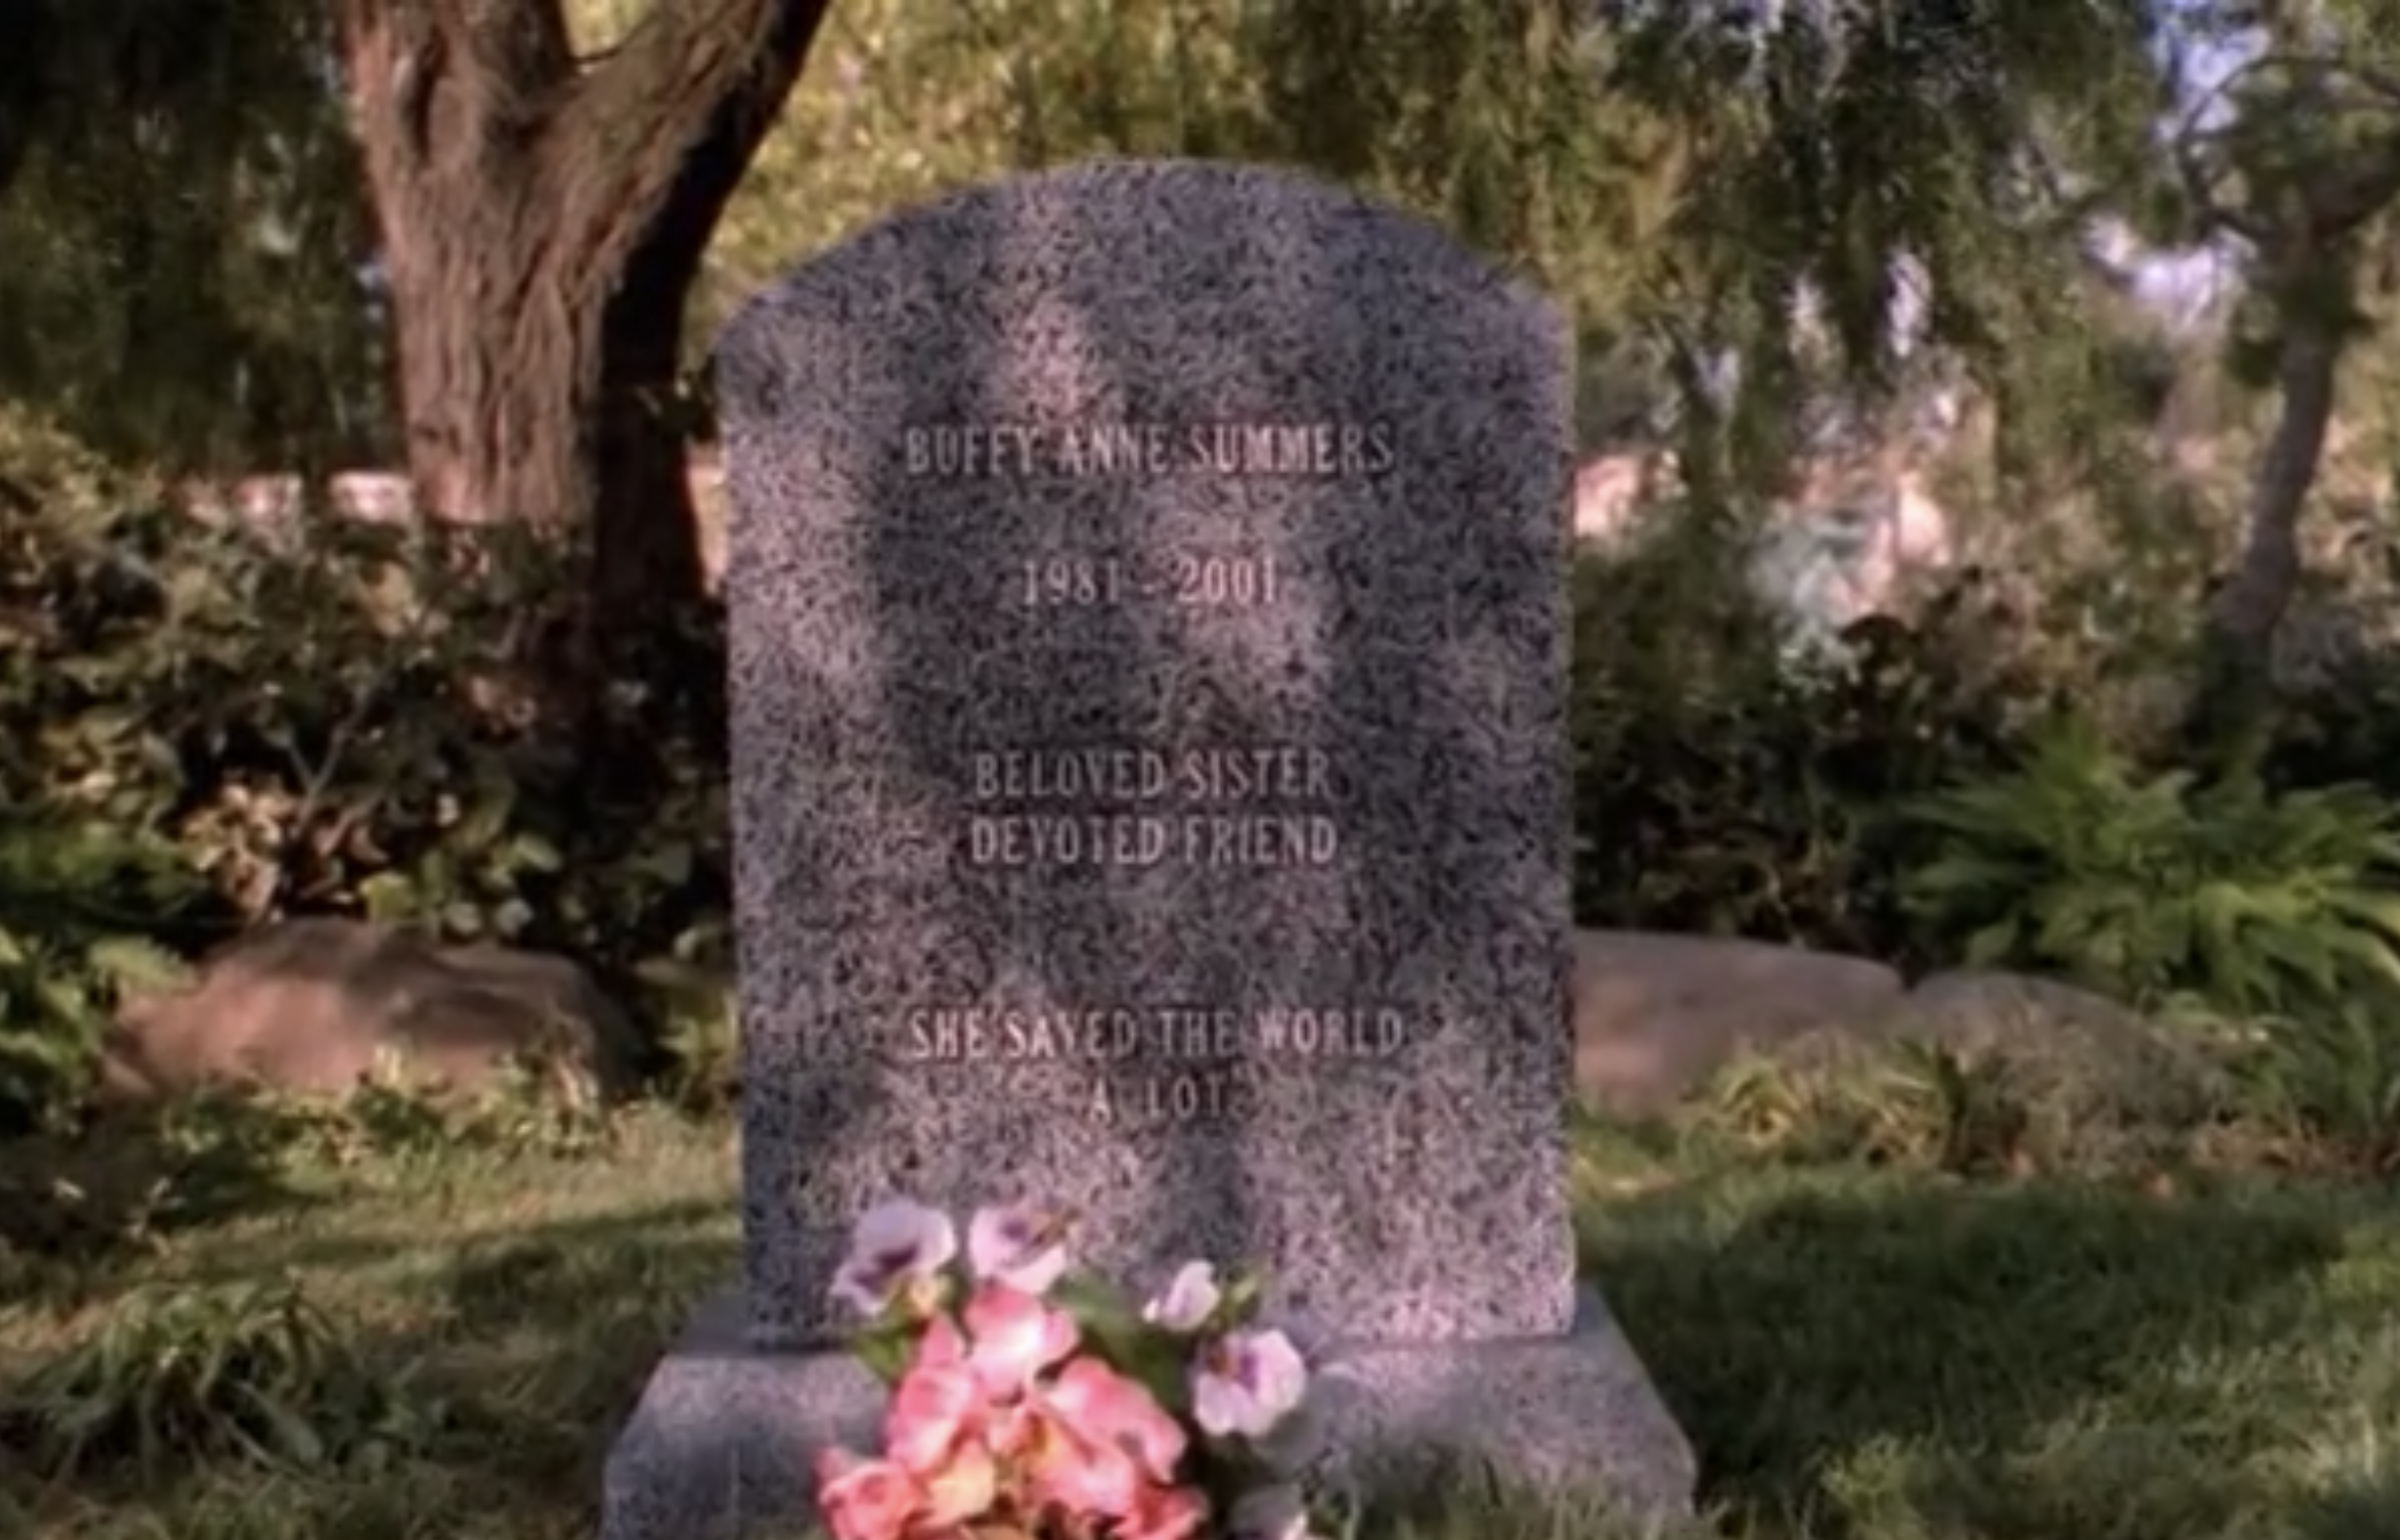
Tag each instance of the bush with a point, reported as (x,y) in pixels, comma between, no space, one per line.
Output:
(202,727)
(78,905)
(2160,891)
(1721,789)
(335,717)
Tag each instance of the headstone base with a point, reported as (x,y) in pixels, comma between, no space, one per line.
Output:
(720,1446)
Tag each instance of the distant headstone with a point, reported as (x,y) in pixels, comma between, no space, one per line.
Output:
(1149,670)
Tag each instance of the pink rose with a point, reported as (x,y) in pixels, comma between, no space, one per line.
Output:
(964,1487)
(1015,1337)
(1105,1408)
(866,1500)
(1094,1443)
(1164,1514)
(937,1406)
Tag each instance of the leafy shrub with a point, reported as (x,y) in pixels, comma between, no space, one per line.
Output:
(2157,890)
(1721,790)
(337,718)
(2325,1087)
(78,905)
(395,1116)
(2340,726)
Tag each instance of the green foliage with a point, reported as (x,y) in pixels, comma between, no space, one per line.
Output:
(1721,790)
(395,1116)
(79,903)
(702,1047)
(129,1181)
(327,719)
(2329,1083)
(181,203)
(253,1374)
(2001,1090)
(2154,889)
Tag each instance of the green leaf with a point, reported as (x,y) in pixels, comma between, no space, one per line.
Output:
(1241,1297)
(669,864)
(388,896)
(531,851)
(886,1350)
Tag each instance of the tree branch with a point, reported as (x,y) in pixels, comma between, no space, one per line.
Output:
(2253,601)
(456,72)
(652,141)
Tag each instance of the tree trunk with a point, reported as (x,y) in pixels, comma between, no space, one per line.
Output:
(2231,722)
(2251,605)
(544,219)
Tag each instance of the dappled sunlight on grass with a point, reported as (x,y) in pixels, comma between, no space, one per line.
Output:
(1873,1355)
(519,1300)
(1856,1355)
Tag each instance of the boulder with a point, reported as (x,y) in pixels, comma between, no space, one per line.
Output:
(2095,1085)
(1973,1005)
(2075,1049)
(309,1006)
(1655,1014)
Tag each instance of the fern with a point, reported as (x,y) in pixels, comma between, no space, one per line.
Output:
(2161,888)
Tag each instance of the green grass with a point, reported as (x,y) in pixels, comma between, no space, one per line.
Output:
(1856,1356)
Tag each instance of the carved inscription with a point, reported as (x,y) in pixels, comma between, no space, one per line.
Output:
(1148,450)
(1156,1064)
(1190,581)
(1127,807)
(1253,806)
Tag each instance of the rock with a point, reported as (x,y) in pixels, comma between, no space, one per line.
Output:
(2082,1082)
(2068,1046)
(307,1005)
(1983,1005)
(1654,1014)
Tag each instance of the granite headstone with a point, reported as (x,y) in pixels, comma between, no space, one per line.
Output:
(1149,679)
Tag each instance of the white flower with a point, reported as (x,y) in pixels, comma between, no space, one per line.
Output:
(1022,1246)
(1269,1513)
(896,1248)
(1189,1301)
(1245,1382)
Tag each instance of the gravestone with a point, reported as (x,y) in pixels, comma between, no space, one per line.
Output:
(1149,650)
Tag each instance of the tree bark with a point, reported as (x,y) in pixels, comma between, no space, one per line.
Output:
(544,219)
(2231,722)
(2251,605)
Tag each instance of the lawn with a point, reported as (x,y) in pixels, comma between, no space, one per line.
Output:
(450,1336)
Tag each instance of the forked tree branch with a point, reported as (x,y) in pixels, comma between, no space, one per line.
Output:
(652,140)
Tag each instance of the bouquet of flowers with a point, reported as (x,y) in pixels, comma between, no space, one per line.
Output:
(1031,1403)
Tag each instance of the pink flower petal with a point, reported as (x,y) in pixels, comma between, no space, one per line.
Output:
(1105,1408)
(1164,1514)
(935,1408)
(866,1500)
(1016,1337)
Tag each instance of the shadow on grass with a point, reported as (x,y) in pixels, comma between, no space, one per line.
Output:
(1806,1337)
(517,1356)
(600,1234)
(549,1334)
(551,1276)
